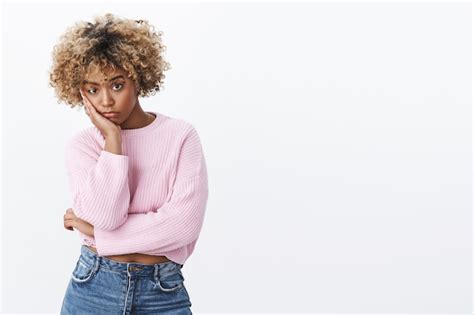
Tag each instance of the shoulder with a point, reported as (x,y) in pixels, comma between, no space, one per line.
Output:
(180,127)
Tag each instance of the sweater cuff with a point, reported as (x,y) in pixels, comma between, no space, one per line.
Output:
(108,160)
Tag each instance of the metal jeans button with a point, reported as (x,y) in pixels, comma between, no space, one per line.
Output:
(134,268)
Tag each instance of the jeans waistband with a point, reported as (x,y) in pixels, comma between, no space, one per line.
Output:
(91,258)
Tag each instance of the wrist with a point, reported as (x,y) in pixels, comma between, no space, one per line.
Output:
(113,135)
(113,143)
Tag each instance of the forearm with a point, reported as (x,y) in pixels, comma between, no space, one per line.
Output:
(175,224)
(99,182)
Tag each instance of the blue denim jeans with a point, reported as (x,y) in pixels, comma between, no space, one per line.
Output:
(99,285)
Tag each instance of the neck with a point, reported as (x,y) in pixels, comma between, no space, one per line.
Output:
(138,118)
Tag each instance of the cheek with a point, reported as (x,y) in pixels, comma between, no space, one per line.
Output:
(125,96)
(132,97)
(129,93)
(127,99)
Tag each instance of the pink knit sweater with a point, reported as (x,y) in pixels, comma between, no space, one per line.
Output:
(149,200)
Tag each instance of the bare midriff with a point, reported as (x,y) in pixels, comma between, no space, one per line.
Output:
(135,257)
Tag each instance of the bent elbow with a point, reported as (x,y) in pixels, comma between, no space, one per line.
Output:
(111,223)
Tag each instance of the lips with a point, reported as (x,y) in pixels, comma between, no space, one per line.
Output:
(111,114)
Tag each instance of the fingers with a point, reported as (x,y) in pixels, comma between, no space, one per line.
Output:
(87,105)
(69,224)
(67,227)
(90,106)
(84,101)
(69,219)
(70,214)
(104,124)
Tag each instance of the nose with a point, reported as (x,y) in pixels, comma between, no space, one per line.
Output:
(107,99)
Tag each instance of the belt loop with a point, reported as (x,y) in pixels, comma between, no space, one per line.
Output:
(97,262)
(155,275)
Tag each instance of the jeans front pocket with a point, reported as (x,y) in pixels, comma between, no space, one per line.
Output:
(171,281)
(82,272)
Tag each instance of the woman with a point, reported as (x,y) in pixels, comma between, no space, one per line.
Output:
(138,179)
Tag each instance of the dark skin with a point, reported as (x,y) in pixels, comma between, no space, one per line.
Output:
(71,222)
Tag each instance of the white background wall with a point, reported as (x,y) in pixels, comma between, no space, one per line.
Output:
(338,144)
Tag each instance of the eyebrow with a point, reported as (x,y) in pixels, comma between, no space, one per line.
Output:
(116,77)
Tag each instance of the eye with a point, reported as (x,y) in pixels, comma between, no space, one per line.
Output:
(121,85)
(89,90)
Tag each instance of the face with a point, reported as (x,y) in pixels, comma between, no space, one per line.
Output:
(112,92)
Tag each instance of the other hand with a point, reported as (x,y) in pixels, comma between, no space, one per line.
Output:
(71,221)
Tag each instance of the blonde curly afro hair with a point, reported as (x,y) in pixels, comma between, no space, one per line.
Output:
(129,45)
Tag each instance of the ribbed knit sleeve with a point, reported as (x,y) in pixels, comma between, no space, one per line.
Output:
(98,180)
(173,225)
